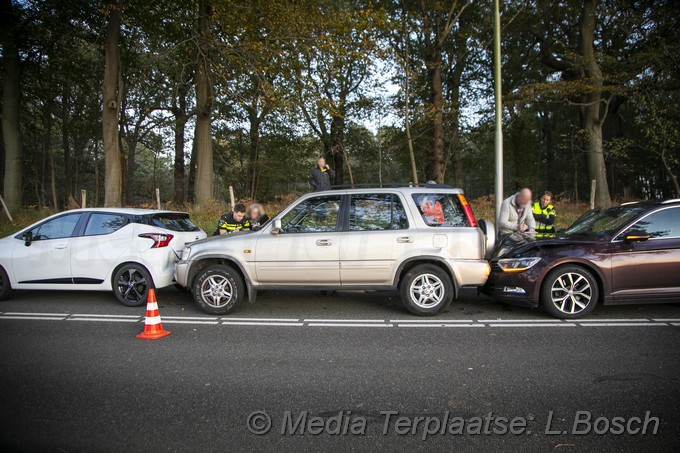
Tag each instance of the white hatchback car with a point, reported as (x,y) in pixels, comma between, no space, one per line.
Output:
(124,250)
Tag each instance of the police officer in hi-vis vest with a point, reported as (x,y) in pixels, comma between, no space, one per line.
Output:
(545,216)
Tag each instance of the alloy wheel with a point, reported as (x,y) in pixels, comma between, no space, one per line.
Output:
(427,291)
(132,285)
(571,293)
(216,291)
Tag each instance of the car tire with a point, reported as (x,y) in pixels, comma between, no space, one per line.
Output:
(218,289)
(5,285)
(426,290)
(131,284)
(569,292)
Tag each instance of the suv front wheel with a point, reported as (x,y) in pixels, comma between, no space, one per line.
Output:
(218,289)
(426,290)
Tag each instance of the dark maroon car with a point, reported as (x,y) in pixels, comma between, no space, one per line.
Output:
(627,254)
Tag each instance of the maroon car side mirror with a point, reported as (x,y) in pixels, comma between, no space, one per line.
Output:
(636,236)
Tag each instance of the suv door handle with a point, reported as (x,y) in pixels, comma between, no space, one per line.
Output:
(405,240)
(60,246)
(324,242)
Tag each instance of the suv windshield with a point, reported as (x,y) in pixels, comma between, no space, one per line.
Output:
(173,222)
(606,222)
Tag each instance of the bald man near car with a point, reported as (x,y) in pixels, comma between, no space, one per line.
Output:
(516,215)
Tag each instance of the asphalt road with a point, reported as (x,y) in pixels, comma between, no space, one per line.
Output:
(73,376)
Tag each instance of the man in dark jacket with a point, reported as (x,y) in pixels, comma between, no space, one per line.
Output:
(321,176)
(233,222)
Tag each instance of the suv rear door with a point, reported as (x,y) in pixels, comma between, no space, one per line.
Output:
(376,234)
(307,249)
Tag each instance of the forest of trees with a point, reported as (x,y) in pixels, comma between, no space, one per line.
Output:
(123,96)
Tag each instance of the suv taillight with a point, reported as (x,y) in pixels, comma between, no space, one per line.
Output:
(468,210)
(159,239)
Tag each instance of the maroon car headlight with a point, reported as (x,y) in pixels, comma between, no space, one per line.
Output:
(517,264)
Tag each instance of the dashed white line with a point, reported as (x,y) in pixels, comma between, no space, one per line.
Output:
(535,324)
(189,318)
(92,315)
(104,319)
(15,313)
(425,321)
(487,321)
(346,320)
(614,320)
(39,318)
(189,321)
(340,324)
(667,320)
(262,319)
(253,323)
(441,325)
(623,324)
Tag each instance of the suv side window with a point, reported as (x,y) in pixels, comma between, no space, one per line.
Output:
(375,212)
(441,210)
(314,215)
(661,224)
(104,223)
(61,227)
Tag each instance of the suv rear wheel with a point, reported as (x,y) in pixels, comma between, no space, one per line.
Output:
(426,290)
(218,289)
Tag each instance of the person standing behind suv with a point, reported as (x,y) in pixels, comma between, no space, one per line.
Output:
(321,176)
(233,221)
(545,216)
(515,215)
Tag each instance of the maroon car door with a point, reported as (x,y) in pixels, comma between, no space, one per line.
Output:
(646,269)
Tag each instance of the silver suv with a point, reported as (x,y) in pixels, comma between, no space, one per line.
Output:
(423,241)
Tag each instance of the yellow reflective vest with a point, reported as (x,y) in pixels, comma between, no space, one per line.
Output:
(545,220)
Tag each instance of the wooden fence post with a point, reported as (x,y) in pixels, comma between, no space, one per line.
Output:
(83,198)
(593,187)
(4,207)
(158,198)
(231,197)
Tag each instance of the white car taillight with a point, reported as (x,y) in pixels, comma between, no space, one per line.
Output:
(159,239)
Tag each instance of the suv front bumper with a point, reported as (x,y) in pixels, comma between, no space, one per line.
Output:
(182,272)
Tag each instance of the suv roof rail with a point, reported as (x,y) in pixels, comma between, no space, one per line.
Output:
(672,200)
(391,185)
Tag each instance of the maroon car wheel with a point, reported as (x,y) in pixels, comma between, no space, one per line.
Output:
(569,292)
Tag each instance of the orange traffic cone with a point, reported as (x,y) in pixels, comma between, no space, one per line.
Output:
(153,329)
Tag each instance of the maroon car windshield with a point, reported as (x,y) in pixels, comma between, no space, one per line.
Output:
(606,222)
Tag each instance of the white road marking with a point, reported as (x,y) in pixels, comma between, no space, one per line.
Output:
(440,325)
(614,320)
(341,324)
(261,319)
(190,321)
(418,321)
(88,315)
(104,319)
(15,313)
(623,324)
(39,318)
(536,324)
(487,321)
(344,320)
(328,322)
(199,318)
(252,323)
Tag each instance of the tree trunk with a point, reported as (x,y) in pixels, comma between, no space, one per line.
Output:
(203,137)
(65,134)
(592,111)
(113,171)
(47,151)
(13,183)
(407,100)
(191,185)
(456,144)
(130,165)
(435,169)
(338,147)
(180,113)
(254,136)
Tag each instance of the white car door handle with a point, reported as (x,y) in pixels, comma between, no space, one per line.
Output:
(324,242)
(60,246)
(405,240)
